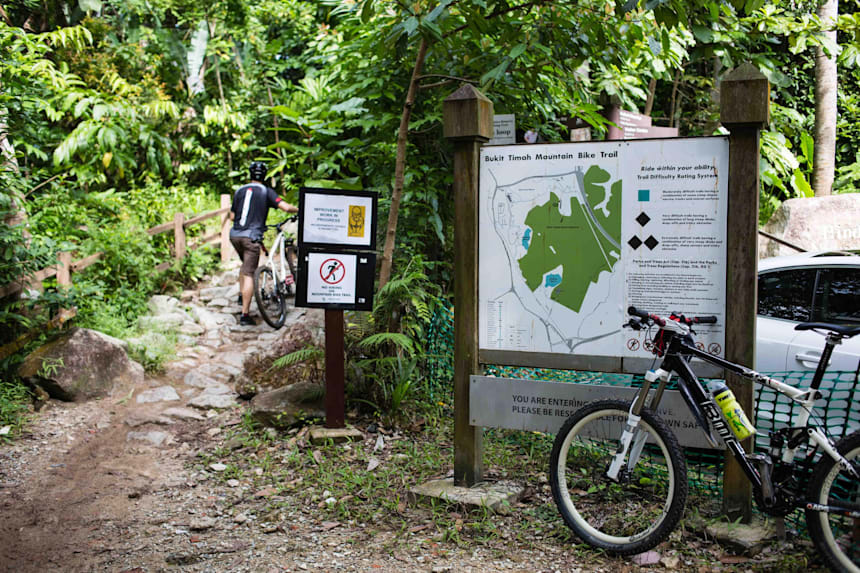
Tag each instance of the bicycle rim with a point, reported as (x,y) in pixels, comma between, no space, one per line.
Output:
(626,516)
(838,536)
(270,301)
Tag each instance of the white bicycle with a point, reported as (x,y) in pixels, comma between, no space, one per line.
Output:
(274,281)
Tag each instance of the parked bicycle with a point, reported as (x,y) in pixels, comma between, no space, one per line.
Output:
(274,281)
(619,477)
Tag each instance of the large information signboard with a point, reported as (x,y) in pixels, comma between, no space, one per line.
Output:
(572,234)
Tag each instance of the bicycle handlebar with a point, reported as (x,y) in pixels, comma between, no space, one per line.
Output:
(660,321)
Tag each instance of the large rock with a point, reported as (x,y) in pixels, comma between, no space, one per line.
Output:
(163,304)
(285,406)
(80,365)
(814,223)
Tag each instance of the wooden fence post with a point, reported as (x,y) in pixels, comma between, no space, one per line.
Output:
(179,236)
(64,281)
(468,122)
(64,270)
(226,251)
(744,111)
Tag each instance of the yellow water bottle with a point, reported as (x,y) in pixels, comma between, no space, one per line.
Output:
(734,414)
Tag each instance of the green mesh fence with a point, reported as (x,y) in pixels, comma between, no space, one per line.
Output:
(839,409)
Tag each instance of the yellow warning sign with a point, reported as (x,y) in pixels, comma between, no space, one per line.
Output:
(356,221)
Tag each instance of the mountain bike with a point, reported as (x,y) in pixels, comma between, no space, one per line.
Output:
(274,281)
(619,476)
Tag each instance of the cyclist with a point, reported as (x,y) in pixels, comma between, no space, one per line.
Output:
(251,205)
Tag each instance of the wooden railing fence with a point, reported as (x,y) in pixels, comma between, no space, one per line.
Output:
(66,266)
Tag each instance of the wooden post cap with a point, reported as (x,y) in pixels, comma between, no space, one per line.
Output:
(467,113)
(745,97)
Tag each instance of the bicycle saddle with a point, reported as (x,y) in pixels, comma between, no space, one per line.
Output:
(846,330)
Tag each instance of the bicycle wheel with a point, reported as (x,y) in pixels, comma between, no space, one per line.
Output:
(641,508)
(270,300)
(837,537)
(291,263)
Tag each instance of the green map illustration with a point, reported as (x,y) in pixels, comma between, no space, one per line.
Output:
(583,243)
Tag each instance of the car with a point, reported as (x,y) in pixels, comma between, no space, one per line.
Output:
(807,287)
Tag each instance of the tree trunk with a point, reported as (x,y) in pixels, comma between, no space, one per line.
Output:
(400,166)
(17,215)
(649,103)
(824,154)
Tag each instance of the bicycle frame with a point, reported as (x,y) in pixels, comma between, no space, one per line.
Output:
(704,407)
(279,271)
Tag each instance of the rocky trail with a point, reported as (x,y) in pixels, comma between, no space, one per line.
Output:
(116,484)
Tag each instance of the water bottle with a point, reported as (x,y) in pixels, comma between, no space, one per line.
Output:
(734,414)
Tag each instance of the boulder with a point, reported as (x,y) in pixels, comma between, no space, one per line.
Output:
(79,365)
(285,406)
(162,304)
(814,223)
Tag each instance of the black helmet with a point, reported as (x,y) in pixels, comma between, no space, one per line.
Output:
(258,171)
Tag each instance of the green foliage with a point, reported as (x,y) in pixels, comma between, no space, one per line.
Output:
(14,402)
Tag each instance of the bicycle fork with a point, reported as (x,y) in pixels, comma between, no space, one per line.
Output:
(632,440)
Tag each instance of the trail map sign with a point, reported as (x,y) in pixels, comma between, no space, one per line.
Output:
(572,234)
(337,218)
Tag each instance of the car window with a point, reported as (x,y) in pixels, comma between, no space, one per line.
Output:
(786,294)
(837,295)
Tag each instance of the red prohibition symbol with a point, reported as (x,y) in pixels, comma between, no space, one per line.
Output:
(633,344)
(332,271)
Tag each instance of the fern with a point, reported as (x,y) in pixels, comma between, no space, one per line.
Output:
(400,340)
(305,354)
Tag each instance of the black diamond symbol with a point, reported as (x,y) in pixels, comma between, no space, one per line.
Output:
(643,219)
(651,242)
(634,242)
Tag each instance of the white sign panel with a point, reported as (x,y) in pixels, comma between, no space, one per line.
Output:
(504,130)
(541,406)
(337,219)
(572,234)
(331,278)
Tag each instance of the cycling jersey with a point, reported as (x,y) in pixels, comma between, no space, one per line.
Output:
(251,205)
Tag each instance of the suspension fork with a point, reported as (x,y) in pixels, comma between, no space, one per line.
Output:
(632,440)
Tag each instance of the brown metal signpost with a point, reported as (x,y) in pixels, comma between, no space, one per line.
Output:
(744,111)
(334,370)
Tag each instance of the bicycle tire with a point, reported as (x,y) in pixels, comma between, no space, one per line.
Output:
(837,537)
(609,514)
(292,255)
(271,303)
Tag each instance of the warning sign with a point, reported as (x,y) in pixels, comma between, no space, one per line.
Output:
(330,218)
(335,279)
(332,271)
(331,279)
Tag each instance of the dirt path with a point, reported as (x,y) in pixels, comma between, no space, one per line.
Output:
(130,484)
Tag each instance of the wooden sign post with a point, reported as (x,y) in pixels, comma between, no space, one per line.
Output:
(744,111)
(468,122)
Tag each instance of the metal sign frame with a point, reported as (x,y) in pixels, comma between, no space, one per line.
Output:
(365,275)
(304,191)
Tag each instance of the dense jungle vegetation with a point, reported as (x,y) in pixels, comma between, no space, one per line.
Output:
(115,114)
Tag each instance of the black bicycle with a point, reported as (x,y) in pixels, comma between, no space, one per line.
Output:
(619,477)
(275,280)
